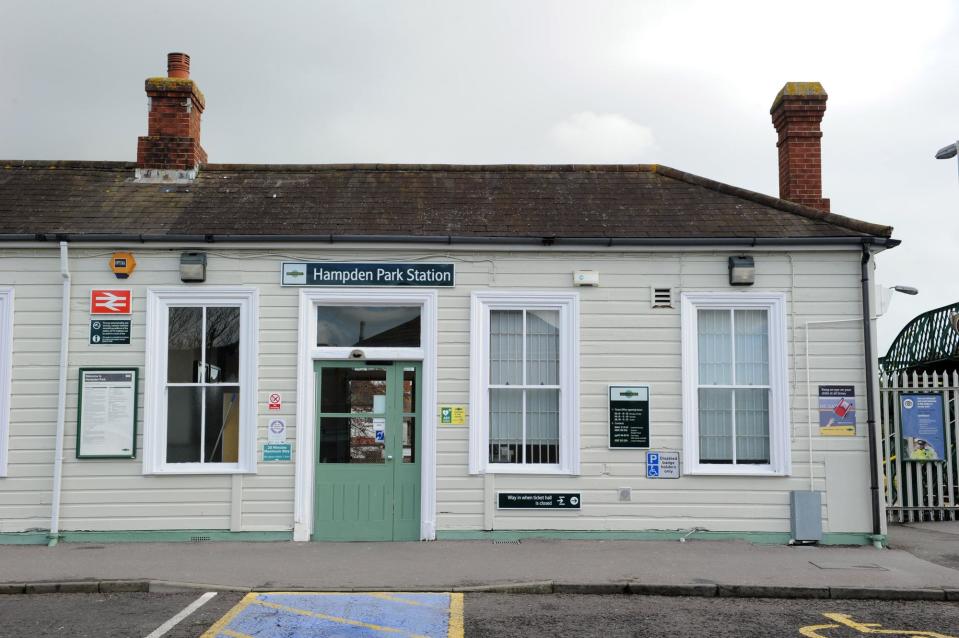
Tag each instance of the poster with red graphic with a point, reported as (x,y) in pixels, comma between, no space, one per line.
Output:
(837,410)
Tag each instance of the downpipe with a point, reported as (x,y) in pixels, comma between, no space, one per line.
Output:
(54,534)
(870,398)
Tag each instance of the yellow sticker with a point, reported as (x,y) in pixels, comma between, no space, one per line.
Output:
(453,414)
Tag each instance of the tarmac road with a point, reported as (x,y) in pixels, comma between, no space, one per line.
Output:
(488,615)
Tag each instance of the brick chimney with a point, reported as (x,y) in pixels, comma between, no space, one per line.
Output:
(171,150)
(797,113)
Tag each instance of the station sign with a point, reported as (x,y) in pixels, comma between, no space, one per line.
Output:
(629,416)
(538,500)
(110,302)
(367,274)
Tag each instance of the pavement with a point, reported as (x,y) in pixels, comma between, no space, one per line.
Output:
(917,566)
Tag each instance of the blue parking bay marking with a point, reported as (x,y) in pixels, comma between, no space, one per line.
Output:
(359,615)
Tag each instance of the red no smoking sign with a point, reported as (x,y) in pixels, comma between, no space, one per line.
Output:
(276,401)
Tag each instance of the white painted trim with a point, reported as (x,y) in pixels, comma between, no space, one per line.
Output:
(307,353)
(779,428)
(568,305)
(6,372)
(154,406)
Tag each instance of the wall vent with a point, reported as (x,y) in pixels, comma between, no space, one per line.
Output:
(662,297)
(199,539)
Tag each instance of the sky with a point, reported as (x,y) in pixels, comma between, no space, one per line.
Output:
(684,83)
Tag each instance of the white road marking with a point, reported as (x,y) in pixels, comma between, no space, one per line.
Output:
(189,609)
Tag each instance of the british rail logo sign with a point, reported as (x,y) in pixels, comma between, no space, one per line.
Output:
(368,274)
(110,302)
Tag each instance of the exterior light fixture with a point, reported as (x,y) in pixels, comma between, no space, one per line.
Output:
(193,267)
(884,298)
(948,152)
(742,271)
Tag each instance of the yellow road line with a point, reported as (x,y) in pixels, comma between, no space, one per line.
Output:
(336,619)
(392,597)
(873,628)
(235,634)
(456,616)
(810,631)
(219,625)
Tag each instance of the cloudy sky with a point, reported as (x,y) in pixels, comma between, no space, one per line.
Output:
(682,83)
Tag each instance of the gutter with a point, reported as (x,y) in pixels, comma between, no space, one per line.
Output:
(61,396)
(608,242)
(871,363)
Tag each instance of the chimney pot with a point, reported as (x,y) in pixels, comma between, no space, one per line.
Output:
(178,65)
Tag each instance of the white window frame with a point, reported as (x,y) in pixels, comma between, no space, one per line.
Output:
(779,427)
(567,303)
(6,372)
(159,300)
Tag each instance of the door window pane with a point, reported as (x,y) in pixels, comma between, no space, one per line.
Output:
(184,344)
(184,424)
(409,439)
(222,345)
(506,347)
(715,425)
(715,347)
(506,426)
(350,390)
(368,326)
(542,347)
(409,389)
(352,440)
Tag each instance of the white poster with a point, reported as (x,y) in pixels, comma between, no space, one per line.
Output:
(107,420)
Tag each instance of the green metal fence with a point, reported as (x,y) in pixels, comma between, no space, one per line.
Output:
(928,342)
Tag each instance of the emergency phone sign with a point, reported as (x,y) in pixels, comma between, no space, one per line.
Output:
(110,302)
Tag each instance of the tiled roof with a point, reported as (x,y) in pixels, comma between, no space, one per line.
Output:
(518,201)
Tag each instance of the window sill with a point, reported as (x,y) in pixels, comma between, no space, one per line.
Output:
(734,470)
(504,468)
(180,469)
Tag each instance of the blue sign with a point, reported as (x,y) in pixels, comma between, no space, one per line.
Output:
(662,465)
(923,434)
(277,451)
(367,274)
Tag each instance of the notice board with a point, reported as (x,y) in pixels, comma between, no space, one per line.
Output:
(106,413)
(629,416)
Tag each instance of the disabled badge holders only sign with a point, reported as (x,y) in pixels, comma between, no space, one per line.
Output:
(662,465)
(110,302)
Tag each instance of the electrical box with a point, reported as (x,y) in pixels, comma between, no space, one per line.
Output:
(805,516)
(586,278)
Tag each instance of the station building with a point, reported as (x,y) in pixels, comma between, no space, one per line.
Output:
(193,351)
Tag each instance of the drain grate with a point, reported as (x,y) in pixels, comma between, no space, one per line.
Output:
(199,539)
(502,542)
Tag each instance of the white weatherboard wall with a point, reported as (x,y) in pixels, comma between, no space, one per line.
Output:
(622,340)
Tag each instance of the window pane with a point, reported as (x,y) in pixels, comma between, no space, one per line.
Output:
(715,425)
(409,389)
(505,426)
(506,347)
(409,439)
(184,342)
(715,347)
(542,426)
(183,424)
(222,345)
(752,347)
(542,347)
(352,440)
(222,429)
(368,326)
(752,426)
(349,390)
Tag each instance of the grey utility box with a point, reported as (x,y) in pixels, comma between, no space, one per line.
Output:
(805,516)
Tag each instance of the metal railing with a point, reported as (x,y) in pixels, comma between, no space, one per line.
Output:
(919,490)
(928,339)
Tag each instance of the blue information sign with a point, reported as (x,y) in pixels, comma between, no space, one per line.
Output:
(923,434)
(367,274)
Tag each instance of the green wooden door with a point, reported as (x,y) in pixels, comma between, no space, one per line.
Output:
(367,452)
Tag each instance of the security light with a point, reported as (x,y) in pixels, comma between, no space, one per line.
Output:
(742,271)
(192,266)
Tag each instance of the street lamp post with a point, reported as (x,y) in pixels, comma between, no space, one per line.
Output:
(948,152)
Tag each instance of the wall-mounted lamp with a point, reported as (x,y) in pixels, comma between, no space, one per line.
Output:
(742,271)
(884,298)
(192,266)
